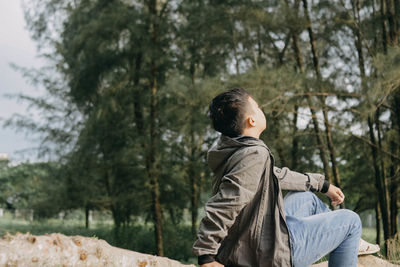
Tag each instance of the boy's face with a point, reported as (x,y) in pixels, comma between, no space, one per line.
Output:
(255,117)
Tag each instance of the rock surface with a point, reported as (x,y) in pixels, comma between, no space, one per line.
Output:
(364,261)
(60,250)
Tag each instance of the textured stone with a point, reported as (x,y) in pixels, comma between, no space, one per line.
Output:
(365,261)
(60,250)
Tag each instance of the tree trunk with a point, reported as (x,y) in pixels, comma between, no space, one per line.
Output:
(108,178)
(234,46)
(396,106)
(295,141)
(278,136)
(86,217)
(378,218)
(152,154)
(393,35)
(394,221)
(382,169)
(395,176)
(192,175)
(193,181)
(382,200)
(379,179)
(138,113)
(299,60)
(331,147)
(378,182)
(300,65)
(384,27)
(116,216)
(322,99)
(195,204)
(397,15)
(320,142)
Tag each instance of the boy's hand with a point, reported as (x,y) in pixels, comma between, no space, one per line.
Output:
(212,264)
(335,194)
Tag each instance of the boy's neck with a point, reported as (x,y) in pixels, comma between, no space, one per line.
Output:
(251,133)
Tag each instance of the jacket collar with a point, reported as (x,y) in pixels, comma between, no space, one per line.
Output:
(240,140)
(226,146)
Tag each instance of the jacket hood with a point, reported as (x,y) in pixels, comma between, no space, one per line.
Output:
(218,155)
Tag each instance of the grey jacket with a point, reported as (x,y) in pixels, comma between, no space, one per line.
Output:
(244,223)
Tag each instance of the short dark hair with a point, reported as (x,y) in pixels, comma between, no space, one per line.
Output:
(227,111)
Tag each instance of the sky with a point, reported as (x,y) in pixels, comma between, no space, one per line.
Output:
(18,48)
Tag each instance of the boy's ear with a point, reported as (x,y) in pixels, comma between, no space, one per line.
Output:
(250,121)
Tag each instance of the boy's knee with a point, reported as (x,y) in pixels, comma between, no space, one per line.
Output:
(353,217)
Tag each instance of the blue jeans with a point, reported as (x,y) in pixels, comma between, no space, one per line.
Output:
(315,231)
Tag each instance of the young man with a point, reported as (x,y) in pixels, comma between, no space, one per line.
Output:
(247,221)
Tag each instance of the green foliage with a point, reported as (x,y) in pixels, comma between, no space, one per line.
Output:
(35,186)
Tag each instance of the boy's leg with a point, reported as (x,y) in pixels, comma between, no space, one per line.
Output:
(303,204)
(337,232)
(315,231)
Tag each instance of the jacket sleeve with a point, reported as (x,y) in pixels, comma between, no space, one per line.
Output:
(238,186)
(295,181)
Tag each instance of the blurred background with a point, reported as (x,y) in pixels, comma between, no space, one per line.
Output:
(103,107)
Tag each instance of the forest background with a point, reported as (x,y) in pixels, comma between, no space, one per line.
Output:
(124,128)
